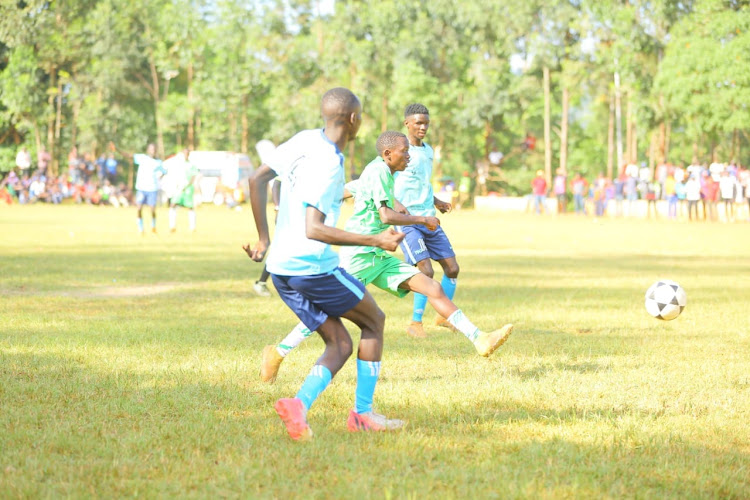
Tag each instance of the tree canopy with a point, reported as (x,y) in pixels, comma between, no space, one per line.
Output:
(224,74)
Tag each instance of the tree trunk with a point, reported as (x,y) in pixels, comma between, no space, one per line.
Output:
(232,131)
(245,139)
(618,118)
(74,123)
(487,141)
(735,144)
(157,101)
(564,130)
(547,138)
(667,136)
(652,151)
(191,108)
(352,159)
(611,139)
(629,129)
(54,167)
(695,152)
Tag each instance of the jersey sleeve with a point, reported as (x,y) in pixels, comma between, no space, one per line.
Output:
(321,187)
(284,156)
(380,187)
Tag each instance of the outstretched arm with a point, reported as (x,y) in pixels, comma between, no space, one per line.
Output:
(315,229)
(394,218)
(259,200)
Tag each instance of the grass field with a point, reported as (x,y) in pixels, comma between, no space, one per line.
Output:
(129,366)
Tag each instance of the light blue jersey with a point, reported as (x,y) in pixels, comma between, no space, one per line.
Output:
(413,186)
(311,169)
(149,171)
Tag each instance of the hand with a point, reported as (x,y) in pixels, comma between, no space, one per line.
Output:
(431,223)
(398,207)
(443,206)
(389,240)
(258,252)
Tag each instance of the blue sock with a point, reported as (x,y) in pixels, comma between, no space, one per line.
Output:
(449,286)
(140,224)
(367,376)
(420,302)
(314,384)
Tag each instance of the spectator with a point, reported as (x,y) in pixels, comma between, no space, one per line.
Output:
(579,188)
(728,192)
(539,191)
(709,194)
(559,185)
(670,193)
(693,195)
(42,160)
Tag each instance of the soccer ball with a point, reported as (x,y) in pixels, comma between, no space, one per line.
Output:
(665,300)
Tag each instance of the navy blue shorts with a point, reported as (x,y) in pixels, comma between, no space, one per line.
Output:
(146,198)
(314,298)
(420,243)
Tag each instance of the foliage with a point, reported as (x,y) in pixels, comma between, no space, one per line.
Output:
(225,74)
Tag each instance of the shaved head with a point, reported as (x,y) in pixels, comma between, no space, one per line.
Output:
(390,140)
(338,101)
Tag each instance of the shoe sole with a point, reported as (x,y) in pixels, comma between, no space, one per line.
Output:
(508,330)
(305,434)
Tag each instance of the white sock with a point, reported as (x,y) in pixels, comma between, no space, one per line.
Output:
(172,218)
(191,219)
(463,325)
(293,339)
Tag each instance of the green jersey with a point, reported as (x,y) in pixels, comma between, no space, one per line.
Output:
(371,190)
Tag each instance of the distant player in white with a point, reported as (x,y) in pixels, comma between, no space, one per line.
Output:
(150,171)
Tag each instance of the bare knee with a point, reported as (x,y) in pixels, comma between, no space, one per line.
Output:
(451,270)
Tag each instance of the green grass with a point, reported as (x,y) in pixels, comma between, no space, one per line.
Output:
(129,366)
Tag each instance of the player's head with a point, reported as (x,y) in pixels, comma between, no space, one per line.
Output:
(417,121)
(151,149)
(393,147)
(341,108)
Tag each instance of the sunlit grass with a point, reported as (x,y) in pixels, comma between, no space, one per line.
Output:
(128,366)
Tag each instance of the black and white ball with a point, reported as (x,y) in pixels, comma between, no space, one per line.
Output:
(665,300)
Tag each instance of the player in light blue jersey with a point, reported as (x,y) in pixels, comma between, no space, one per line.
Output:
(413,188)
(150,170)
(305,269)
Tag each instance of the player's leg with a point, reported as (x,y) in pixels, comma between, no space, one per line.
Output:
(416,254)
(140,200)
(261,286)
(485,342)
(192,219)
(371,320)
(273,355)
(172,216)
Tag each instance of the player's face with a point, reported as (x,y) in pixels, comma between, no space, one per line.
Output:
(398,157)
(417,126)
(150,150)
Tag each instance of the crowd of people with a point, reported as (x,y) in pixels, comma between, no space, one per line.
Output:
(89,180)
(718,191)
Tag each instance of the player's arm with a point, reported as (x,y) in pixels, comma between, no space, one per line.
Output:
(259,200)
(316,229)
(441,205)
(398,207)
(394,218)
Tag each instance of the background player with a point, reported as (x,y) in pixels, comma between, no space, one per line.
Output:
(304,267)
(413,188)
(150,171)
(182,175)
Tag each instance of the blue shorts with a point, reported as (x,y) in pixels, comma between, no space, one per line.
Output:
(315,298)
(420,243)
(146,198)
